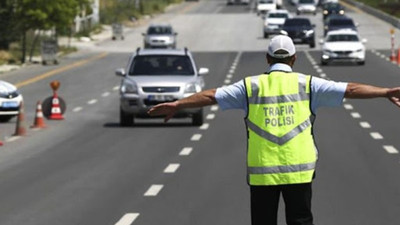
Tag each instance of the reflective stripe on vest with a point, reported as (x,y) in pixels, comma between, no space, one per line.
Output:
(281,148)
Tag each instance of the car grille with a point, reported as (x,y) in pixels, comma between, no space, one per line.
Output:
(148,102)
(160,89)
(343,52)
(9,95)
(158,41)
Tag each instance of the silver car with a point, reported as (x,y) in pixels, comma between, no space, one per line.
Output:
(10,101)
(160,36)
(159,75)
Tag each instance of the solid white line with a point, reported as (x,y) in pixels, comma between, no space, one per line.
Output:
(196,137)
(105,94)
(376,135)
(154,190)
(205,126)
(390,149)
(365,125)
(186,151)
(348,106)
(77,109)
(210,116)
(355,115)
(214,108)
(128,219)
(91,102)
(171,168)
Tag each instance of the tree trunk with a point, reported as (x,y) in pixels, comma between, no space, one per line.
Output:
(23,47)
(35,39)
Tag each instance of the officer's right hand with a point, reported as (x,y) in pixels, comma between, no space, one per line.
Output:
(168,109)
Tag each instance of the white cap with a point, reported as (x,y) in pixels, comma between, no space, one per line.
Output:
(283,43)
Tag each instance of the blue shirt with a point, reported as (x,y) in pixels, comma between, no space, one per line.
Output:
(323,92)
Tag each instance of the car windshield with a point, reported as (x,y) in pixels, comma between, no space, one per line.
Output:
(306,1)
(161,65)
(341,22)
(332,6)
(278,15)
(159,30)
(297,22)
(265,1)
(341,37)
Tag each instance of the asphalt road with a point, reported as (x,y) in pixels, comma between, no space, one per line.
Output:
(87,170)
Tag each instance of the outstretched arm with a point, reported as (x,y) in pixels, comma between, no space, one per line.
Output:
(169,109)
(356,90)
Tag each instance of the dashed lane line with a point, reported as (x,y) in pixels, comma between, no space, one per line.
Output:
(186,151)
(196,137)
(355,115)
(205,126)
(214,108)
(390,149)
(116,88)
(77,109)
(348,106)
(376,135)
(210,116)
(154,190)
(91,102)
(172,168)
(105,94)
(365,125)
(128,219)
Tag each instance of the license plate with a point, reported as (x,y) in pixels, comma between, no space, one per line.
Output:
(297,40)
(161,98)
(9,104)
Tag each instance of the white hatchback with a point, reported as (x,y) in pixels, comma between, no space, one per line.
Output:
(343,45)
(10,101)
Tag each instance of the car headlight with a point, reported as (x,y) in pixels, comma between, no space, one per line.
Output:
(325,12)
(129,88)
(309,32)
(192,88)
(341,12)
(266,23)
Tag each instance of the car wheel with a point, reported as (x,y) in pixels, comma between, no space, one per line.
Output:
(125,119)
(324,63)
(265,35)
(312,45)
(197,118)
(297,13)
(4,119)
(361,63)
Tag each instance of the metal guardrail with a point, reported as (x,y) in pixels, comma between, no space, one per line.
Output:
(395,22)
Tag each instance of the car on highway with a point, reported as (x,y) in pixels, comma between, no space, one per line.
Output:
(274,21)
(160,36)
(306,6)
(263,6)
(238,2)
(338,22)
(300,30)
(10,101)
(332,8)
(159,75)
(343,45)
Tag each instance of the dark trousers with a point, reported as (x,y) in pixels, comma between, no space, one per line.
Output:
(265,201)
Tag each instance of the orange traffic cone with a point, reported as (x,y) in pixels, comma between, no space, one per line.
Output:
(20,129)
(39,121)
(55,108)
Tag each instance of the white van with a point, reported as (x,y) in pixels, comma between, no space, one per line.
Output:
(263,6)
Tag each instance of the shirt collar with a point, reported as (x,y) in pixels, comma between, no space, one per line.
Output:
(280,67)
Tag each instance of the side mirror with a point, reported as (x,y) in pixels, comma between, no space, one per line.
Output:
(143,34)
(321,41)
(364,40)
(357,24)
(203,71)
(120,72)
(284,32)
(313,25)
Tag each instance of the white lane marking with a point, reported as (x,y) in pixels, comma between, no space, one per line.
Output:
(171,168)
(227,81)
(355,115)
(318,70)
(365,125)
(91,102)
(229,76)
(116,88)
(77,109)
(154,190)
(186,151)
(390,149)
(214,108)
(105,94)
(376,135)
(196,137)
(348,106)
(210,116)
(323,75)
(13,138)
(205,126)
(128,219)
(233,67)
(231,71)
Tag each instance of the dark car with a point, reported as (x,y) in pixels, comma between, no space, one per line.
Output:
(300,30)
(337,22)
(332,8)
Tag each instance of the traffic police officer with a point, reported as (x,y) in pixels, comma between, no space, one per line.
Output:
(279,106)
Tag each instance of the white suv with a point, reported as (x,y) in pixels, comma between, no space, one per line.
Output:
(274,21)
(156,76)
(263,6)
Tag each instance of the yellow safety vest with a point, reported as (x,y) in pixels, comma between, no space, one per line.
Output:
(281,147)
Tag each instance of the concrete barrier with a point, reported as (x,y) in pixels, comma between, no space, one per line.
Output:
(395,22)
